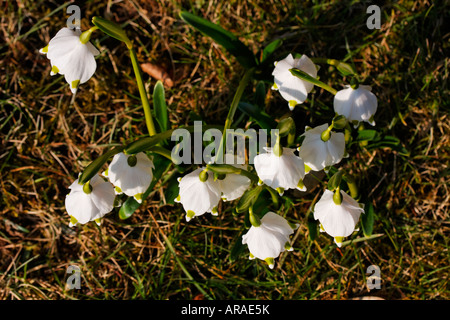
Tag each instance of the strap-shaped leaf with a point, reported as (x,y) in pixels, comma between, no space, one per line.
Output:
(112,29)
(270,49)
(262,118)
(344,68)
(223,37)
(160,106)
(367,219)
(304,76)
(94,167)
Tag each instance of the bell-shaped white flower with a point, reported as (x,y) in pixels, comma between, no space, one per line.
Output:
(233,185)
(89,202)
(337,220)
(291,88)
(199,193)
(319,154)
(357,105)
(270,238)
(71,57)
(280,172)
(130,174)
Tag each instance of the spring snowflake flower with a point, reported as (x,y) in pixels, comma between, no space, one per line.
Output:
(89,202)
(130,174)
(319,154)
(71,57)
(280,172)
(233,186)
(357,105)
(270,238)
(291,88)
(199,193)
(337,220)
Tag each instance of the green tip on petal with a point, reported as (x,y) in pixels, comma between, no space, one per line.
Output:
(307,168)
(138,197)
(73,221)
(301,186)
(270,262)
(214,211)
(98,221)
(118,190)
(288,247)
(274,87)
(105,173)
(251,257)
(74,84)
(54,70)
(338,241)
(321,229)
(178,198)
(44,49)
(292,104)
(189,215)
(280,191)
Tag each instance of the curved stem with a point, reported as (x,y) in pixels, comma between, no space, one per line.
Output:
(234,104)
(144,98)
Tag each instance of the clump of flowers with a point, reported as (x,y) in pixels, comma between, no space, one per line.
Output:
(254,187)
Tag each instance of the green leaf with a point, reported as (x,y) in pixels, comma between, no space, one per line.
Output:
(344,68)
(270,49)
(160,107)
(312,226)
(112,29)
(335,181)
(248,199)
(304,76)
(223,37)
(286,126)
(367,219)
(367,135)
(94,167)
(262,118)
(260,95)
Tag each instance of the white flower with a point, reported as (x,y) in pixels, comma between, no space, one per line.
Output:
(197,196)
(338,220)
(70,57)
(131,174)
(291,88)
(357,105)
(280,172)
(318,154)
(233,185)
(267,241)
(83,207)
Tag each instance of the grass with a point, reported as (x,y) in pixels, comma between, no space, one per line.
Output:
(46,141)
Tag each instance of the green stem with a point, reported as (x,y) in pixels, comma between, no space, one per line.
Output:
(234,104)
(161,151)
(304,76)
(142,92)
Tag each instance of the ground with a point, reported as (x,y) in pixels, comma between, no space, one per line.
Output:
(46,140)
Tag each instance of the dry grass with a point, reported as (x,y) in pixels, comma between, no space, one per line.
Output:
(45,141)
